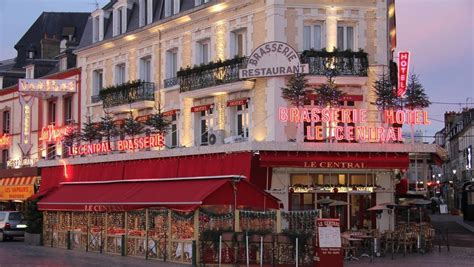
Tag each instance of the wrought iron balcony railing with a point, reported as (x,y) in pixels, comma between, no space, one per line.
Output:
(342,63)
(95,99)
(127,93)
(170,82)
(212,74)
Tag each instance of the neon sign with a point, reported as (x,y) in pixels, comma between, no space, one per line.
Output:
(25,138)
(52,133)
(5,141)
(47,85)
(352,133)
(154,141)
(403,60)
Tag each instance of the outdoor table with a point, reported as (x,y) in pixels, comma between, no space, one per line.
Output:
(367,243)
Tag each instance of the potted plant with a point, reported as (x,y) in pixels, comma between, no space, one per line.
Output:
(34,224)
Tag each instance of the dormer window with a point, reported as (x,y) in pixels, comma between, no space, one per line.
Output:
(146,12)
(120,17)
(30,72)
(172,7)
(97,25)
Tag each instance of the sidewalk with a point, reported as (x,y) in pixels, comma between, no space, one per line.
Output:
(456,257)
(16,253)
(444,218)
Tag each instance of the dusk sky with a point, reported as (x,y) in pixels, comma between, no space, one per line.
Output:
(439,33)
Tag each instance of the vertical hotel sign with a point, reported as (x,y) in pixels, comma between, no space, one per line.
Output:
(403,62)
(26,103)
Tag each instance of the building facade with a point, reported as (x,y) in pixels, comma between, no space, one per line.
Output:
(194,61)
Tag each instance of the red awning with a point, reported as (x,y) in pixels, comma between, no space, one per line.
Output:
(186,166)
(202,108)
(237,102)
(334,160)
(176,193)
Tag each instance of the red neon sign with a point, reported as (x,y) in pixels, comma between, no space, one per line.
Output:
(5,140)
(153,141)
(53,133)
(403,61)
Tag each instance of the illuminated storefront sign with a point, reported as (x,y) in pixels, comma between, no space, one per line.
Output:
(403,62)
(47,85)
(334,164)
(18,163)
(154,141)
(25,138)
(5,141)
(273,59)
(352,116)
(53,133)
(16,192)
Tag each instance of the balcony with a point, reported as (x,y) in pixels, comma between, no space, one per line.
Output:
(344,63)
(212,74)
(170,82)
(127,93)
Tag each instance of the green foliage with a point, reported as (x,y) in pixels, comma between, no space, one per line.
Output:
(132,127)
(295,91)
(72,135)
(209,66)
(107,127)
(34,218)
(386,94)
(328,93)
(415,94)
(304,237)
(119,88)
(158,122)
(90,131)
(335,53)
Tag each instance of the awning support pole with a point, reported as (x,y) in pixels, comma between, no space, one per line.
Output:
(147,222)
(196,255)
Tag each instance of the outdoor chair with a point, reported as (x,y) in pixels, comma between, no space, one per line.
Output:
(406,240)
(429,237)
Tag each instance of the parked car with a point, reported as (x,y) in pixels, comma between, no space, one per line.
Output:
(11,225)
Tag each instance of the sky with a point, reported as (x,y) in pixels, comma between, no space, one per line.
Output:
(438,33)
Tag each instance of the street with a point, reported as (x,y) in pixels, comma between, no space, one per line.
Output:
(16,253)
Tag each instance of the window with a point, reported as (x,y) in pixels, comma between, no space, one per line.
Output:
(146,12)
(52,112)
(172,136)
(145,69)
(97,80)
(120,20)
(6,122)
(242,121)
(1,82)
(63,64)
(5,155)
(312,37)
(30,72)
(171,63)
(200,2)
(238,43)
(96,31)
(168,8)
(345,37)
(120,73)
(206,124)
(68,110)
(51,151)
(176,6)
(203,51)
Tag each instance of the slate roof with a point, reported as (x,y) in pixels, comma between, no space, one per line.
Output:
(51,24)
(133,18)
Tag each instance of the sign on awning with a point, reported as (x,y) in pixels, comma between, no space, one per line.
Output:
(17,188)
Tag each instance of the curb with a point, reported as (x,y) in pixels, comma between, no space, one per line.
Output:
(465,225)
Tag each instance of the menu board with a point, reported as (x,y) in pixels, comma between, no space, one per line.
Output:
(329,237)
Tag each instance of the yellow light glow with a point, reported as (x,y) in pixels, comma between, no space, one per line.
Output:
(155,29)
(391,11)
(220,40)
(183,19)
(108,45)
(259,136)
(219,93)
(130,37)
(218,8)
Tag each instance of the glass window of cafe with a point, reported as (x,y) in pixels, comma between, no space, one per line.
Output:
(306,189)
